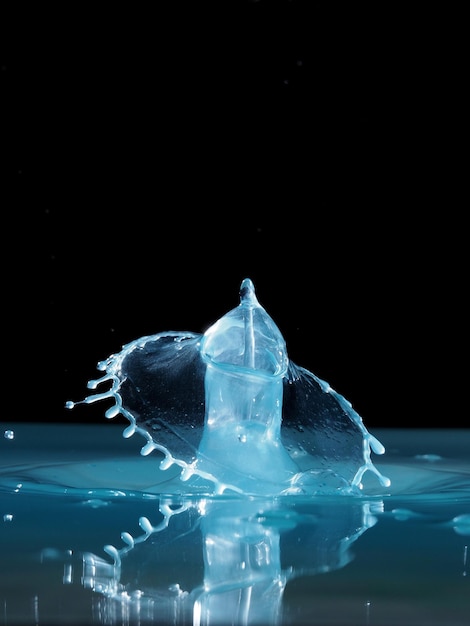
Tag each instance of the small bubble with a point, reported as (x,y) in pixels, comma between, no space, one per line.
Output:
(8,517)
(9,434)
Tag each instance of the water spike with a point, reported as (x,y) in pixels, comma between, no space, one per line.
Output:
(93,384)
(147,449)
(129,431)
(376,445)
(97,397)
(247,293)
(146,526)
(112,412)
(384,480)
(128,539)
(114,553)
(166,462)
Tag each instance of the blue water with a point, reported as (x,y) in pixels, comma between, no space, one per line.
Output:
(91,533)
(232,413)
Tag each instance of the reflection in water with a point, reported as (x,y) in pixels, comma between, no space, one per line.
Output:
(81,545)
(221,561)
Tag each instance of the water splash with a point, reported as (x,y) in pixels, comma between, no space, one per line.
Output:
(234,414)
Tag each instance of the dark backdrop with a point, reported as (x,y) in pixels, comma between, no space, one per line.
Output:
(156,156)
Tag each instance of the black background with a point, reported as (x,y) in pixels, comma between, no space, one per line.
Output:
(154,156)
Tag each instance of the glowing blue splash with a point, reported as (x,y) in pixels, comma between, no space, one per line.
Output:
(230,410)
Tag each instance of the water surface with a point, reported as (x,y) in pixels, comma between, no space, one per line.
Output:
(93,533)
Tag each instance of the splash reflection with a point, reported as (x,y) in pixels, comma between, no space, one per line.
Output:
(221,561)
